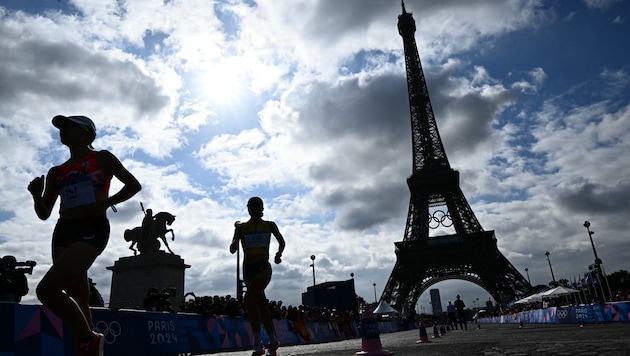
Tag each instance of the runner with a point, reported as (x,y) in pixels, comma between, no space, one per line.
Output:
(255,237)
(82,230)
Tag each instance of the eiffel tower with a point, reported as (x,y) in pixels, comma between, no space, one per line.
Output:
(437,201)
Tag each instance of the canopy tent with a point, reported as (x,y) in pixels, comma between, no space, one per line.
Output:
(558,292)
(384,308)
(530,299)
(551,293)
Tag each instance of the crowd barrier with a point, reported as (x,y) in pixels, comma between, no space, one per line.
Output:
(596,313)
(35,330)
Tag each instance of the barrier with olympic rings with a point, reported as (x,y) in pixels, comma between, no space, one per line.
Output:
(596,313)
(34,330)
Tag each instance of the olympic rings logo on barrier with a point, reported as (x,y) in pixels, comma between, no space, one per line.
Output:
(562,313)
(111,331)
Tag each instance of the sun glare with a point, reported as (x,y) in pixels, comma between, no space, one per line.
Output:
(222,82)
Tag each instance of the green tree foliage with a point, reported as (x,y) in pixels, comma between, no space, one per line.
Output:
(619,281)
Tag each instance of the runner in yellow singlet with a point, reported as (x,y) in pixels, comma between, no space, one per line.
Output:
(255,238)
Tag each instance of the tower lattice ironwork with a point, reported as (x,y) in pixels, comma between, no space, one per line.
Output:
(470,254)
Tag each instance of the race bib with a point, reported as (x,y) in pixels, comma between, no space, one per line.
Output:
(76,194)
(257,239)
(257,242)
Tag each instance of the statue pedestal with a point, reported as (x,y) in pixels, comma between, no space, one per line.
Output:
(133,276)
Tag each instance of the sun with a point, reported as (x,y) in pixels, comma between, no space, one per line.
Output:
(222,82)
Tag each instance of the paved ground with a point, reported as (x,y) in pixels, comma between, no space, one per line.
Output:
(490,340)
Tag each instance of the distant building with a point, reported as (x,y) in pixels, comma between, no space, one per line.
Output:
(334,295)
(435,302)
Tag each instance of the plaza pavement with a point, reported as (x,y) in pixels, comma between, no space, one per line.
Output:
(491,340)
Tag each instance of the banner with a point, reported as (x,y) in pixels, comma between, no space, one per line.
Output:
(32,330)
(588,314)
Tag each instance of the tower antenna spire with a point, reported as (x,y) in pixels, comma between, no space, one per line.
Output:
(402,2)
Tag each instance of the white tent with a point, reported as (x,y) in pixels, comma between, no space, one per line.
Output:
(530,299)
(558,292)
(384,308)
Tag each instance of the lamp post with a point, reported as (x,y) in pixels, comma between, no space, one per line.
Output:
(374,284)
(527,272)
(239,282)
(313,265)
(553,278)
(598,261)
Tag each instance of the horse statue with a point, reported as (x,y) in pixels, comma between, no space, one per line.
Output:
(145,243)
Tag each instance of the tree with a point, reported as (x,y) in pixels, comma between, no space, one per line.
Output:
(360,301)
(564,283)
(619,281)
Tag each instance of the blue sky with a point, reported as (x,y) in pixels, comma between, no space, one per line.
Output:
(304,103)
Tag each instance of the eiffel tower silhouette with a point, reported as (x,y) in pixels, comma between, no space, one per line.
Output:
(437,201)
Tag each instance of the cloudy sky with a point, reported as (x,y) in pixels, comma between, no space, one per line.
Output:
(304,103)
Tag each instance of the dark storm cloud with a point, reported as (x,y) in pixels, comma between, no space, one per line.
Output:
(366,208)
(378,108)
(586,197)
(367,125)
(331,17)
(32,65)
(465,114)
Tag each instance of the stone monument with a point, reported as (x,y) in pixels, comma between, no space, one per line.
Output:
(137,276)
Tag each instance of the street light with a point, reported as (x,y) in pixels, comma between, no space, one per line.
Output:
(313,265)
(527,272)
(374,284)
(590,236)
(239,283)
(553,278)
(598,261)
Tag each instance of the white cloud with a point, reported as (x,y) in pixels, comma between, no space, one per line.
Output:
(305,103)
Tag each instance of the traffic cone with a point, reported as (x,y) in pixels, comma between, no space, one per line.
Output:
(370,341)
(436,333)
(424,338)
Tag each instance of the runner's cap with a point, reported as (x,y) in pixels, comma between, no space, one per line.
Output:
(59,120)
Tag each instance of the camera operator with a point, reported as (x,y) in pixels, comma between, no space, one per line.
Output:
(13,284)
(95,299)
(156,301)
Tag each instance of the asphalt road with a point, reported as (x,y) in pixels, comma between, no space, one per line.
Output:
(490,340)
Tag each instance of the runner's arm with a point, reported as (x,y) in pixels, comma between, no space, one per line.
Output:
(43,204)
(131,186)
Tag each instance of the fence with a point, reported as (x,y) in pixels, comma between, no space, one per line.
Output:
(35,330)
(596,313)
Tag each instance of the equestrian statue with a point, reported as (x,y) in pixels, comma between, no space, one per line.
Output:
(153,227)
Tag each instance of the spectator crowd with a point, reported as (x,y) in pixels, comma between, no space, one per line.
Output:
(229,306)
